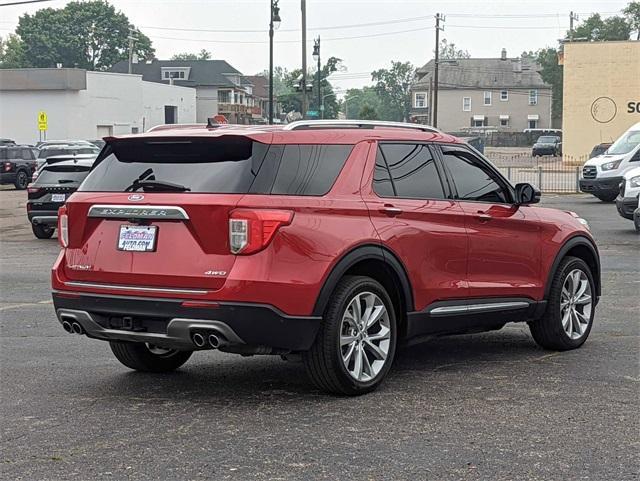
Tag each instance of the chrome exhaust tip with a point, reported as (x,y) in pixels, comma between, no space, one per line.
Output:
(217,341)
(198,339)
(77,328)
(66,325)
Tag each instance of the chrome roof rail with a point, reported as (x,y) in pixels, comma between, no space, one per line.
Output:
(355,124)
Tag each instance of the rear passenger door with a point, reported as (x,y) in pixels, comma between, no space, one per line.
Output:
(504,239)
(412,211)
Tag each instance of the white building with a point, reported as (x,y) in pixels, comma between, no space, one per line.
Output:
(81,104)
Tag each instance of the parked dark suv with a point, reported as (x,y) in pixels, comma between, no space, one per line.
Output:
(334,240)
(17,165)
(56,181)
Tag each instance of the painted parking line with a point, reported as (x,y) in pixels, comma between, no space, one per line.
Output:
(25,304)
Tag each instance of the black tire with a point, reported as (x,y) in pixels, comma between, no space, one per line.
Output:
(636,222)
(323,362)
(548,331)
(138,356)
(607,197)
(42,231)
(22,180)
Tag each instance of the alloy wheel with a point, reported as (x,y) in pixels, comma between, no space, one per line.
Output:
(576,303)
(365,336)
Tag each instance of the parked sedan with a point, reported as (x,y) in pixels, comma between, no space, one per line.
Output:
(57,180)
(547,145)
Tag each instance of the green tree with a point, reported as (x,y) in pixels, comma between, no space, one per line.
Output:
(551,73)
(285,88)
(595,28)
(632,14)
(393,87)
(355,101)
(201,55)
(367,112)
(11,52)
(449,51)
(91,35)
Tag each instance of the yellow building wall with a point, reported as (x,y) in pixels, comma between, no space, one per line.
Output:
(601,94)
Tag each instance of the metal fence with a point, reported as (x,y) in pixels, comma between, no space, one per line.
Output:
(549,174)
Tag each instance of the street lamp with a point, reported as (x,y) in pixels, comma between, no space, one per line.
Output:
(316,57)
(274,24)
(346,105)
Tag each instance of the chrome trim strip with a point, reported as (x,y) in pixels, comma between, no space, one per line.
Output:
(497,306)
(108,211)
(119,287)
(356,124)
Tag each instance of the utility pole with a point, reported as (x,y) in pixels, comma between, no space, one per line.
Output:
(132,39)
(303,82)
(274,23)
(316,57)
(572,17)
(430,120)
(439,18)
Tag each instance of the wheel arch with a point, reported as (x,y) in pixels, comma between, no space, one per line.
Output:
(583,248)
(374,261)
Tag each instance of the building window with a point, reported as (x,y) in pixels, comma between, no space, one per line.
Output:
(533,97)
(235,97)
(478,121)
(533,124)
(466,104)
(224,96)
(487,98)
(173,74)
(420,101)
(504,122)
(504,95)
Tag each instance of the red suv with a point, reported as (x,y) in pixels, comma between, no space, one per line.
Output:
(334,240)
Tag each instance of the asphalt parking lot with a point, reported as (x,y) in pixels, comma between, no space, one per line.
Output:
(488,407)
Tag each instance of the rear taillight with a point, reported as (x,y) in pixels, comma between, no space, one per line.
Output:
(63,227)
(33,190)
(7,166)
(251,231)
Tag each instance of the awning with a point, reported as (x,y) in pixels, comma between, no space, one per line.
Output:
(504,117)
(478,117)
(533,117)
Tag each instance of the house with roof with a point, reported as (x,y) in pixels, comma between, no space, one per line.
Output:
(220,88)
(503,94)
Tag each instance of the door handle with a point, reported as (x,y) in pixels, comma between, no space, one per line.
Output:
(391,211)
(483,216)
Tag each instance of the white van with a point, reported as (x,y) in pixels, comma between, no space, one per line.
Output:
(601,175)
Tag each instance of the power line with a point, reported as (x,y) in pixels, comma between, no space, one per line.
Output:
(23,2)
(336,27)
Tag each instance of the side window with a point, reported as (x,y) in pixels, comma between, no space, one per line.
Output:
(413,171)
(309,169)
(472,181)
(381,178)
(27,154)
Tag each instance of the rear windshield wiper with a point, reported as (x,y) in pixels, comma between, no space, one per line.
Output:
(157,185)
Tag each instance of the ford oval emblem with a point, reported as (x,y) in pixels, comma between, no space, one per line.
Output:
(136,197)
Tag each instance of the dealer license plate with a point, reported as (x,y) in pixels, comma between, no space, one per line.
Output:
(137,238)
(57,197)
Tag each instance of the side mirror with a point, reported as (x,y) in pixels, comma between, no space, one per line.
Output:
(527,194)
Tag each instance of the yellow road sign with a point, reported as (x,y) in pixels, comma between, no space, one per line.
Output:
(42,121)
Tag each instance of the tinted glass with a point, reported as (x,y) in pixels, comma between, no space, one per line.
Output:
(63,174)
(14,154)
(472,181)
(413,171)
(225,165)
(381,178)
(309,169)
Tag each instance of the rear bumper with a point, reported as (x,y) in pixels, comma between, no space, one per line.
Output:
(43,217)
(171,323)
(608,185)
(626,206)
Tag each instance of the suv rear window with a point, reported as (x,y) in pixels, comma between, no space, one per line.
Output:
(226,165)
(63,174)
